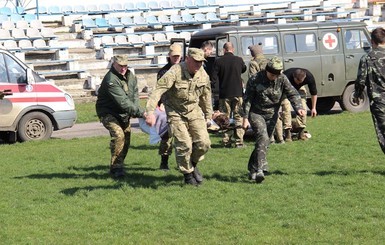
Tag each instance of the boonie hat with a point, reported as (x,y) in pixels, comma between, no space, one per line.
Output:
(197,54)
(274,66)
(121,59)
(175,49)
(256,49)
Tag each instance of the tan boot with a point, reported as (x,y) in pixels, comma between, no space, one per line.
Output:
(288,135)
(301,134)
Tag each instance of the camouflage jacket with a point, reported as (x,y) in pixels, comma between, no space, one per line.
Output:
(118,96)
(257,64)
(186,96)
(371,73)
(264,97)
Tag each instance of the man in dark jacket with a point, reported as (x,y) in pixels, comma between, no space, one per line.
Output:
(117,102)
(227,72)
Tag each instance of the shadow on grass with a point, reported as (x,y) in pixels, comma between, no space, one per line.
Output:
(240,178)
(345,173)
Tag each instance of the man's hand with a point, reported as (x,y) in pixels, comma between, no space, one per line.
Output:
(208,122)
(245,123)
(302,113)
(313,113)
(150,120)
(356,100)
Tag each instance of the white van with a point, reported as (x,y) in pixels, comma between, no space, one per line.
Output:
(32,107)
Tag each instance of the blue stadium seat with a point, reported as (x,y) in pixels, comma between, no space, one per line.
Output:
(101,22)
(53,10)
(79,9)
(66,9)
(126,21)
(129,6)
(6,11)
(142,6)
(88,23)
(15,17)
(29,17)
(114,22)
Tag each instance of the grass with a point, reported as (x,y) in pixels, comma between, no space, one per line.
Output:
(328,190)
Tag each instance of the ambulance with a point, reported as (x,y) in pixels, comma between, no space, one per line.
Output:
(32,107)
(330,50)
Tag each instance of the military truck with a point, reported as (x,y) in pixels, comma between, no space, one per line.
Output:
(329,50)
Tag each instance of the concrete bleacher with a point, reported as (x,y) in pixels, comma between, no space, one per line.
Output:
(76,54)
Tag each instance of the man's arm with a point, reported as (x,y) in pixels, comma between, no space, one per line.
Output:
(313,105)
(293,96)
(359,85)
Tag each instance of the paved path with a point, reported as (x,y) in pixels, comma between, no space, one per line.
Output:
(83,130)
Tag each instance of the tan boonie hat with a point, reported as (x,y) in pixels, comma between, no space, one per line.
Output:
(197,54)
(256,49)
(274,66)
(121,59)
(175,49)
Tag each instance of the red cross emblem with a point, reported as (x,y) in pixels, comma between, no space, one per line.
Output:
(330,41)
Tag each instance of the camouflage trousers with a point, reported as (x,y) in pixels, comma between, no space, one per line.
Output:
(263,127)
(232,107)
(120,133)
(191,141)
(377,109)
(286,111)
(165,146)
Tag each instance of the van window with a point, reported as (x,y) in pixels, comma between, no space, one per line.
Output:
(269,44)
(304,42)
(14,73)
(356,39)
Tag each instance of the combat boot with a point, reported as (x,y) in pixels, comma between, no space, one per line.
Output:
(301,134)
(260,176)
(164,163)
(197,175)
(190,180)
(288,135)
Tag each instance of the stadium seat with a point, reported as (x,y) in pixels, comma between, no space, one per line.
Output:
(53,10)
(176,19)
(117,7)
(6,11)
(5,34)
(11,45)
(101,22)
(139,20)
(129,6)
(165,5)
(29,17)
(104,8)
(39,43)
(147,39)
(19,10)
(163,19)
(153,5)
(18,34)
(22,24)
(36,24)
(88,23)
(33,33)
(114,22)
(42,10)
(26,45)
(66,9)
(15,17)
(7,25)
(78,9)
(134,40)
(126,21)
(121,40)
(177,4)
(188,18)
(160,38)
(91,8)
(48,33)
(108,40)
(142,6)
(200,17)
(212,17)
(152,20)
(3,17)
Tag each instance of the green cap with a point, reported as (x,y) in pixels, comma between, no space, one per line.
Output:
(197,54)
(121,59)
(274,66)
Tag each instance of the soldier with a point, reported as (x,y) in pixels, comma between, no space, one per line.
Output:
(263,97)
(117,102)
(259,61)
(187,100)
(165,146)
(371,73)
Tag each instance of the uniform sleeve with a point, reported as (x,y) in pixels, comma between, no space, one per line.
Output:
(162,85)
(122,100)
(205,100)
(253,68)
(249,96)
(362,73)
(292,95)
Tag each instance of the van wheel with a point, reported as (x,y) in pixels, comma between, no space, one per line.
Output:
(347,100)
(324,105)
(34,126)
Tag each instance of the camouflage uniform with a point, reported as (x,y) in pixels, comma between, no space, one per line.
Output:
(371,73)
(117,102)
(257,64)
(262,101)
(187,101)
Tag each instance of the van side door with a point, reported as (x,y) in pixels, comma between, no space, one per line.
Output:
(333,63)
(13,77)
(356,41)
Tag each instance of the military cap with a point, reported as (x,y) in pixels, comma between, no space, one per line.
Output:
(121,59)
(274,66)
(256,49)
(175,49)
(197,54)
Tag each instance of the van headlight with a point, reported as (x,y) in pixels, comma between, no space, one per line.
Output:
(69,100)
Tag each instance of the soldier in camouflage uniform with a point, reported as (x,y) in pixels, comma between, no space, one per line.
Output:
(371,73)
(263,97)
(187,100)
(117,102)
(165,146)
(258,62)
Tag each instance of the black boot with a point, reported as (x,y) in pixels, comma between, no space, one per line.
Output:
(189,179)
(197,175)
(164,163)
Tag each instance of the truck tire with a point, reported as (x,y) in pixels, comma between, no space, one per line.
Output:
(347,100)
(34,126)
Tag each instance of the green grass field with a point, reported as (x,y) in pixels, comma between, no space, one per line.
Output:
(328,190)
